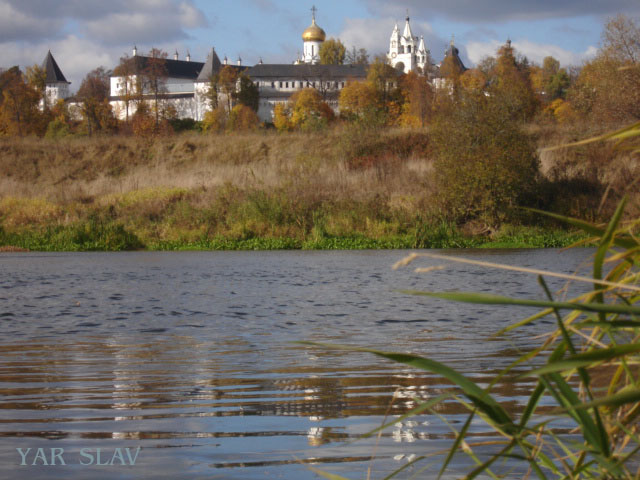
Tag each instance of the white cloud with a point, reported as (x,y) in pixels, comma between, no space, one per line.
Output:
(503,10)
(535,52)
(16,25)
(115,22)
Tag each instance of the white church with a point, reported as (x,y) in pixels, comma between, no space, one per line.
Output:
(187,81)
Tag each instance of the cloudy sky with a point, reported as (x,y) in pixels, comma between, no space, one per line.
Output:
(85,34)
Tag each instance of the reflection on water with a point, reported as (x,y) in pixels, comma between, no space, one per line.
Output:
(189,356)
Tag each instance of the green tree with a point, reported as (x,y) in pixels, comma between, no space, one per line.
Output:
(383,77)
(332,52)
(357,56)
(248,93)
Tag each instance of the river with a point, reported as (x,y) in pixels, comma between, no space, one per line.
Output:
(182,365)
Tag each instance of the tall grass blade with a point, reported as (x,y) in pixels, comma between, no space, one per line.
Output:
(585,359)
(487,299)
(624,241)
(454,448)
(630,396)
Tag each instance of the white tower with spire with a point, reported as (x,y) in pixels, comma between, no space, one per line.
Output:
(313,37)
(406,52)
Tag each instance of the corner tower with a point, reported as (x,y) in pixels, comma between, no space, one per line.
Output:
(313,37)
(56,85)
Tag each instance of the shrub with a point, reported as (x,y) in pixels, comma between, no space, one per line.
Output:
(485,164)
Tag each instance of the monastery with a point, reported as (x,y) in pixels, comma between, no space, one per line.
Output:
(187,81)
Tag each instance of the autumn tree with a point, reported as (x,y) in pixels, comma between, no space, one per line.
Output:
(155,79)
(418,100)
(510,84)
(608,87)
(307,111)
(19,112)
(94,98)
(281,118)
(129,89)
(215,120)
(332,52)
(227,80)
(359,102)
(473,80)
(242,119)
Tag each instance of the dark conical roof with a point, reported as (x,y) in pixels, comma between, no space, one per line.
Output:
(211,67)
(51,68)
(454,54)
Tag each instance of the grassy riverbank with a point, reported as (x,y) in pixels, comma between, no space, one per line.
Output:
(343,188)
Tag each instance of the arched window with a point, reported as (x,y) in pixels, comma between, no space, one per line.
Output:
(401,48)
(408,48)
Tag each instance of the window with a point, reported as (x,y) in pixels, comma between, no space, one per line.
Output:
(287,84)
(408,48)
(280,84)
(273,84)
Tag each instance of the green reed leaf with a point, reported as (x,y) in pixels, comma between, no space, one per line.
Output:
(585,359)
(620,241)
(625,397)
(454,448)
(486,299)
(570,400)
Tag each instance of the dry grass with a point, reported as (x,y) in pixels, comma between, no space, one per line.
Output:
(85,170)
(190,187)
(193,188)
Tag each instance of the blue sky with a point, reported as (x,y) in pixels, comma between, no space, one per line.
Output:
(85,34)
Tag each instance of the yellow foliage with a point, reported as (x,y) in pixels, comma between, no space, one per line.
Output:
(358,98)
(215,120)
(243,119)
(135,198)
(17,212)
(561,110)
(281,118)
(473,80)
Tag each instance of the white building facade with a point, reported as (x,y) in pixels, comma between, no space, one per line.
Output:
(406,52)
(186,87)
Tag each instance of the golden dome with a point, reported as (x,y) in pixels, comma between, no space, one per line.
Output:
(314,33)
